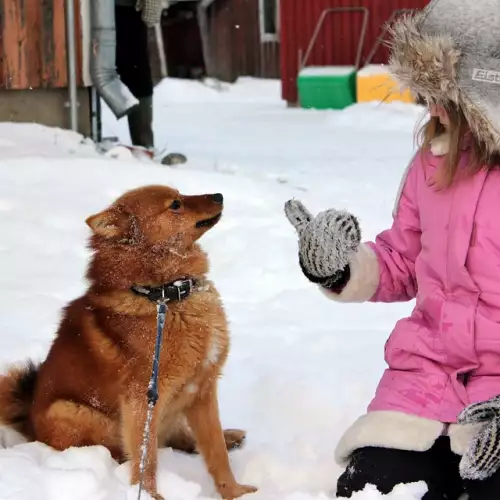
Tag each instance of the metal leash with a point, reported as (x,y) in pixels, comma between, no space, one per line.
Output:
(152,393)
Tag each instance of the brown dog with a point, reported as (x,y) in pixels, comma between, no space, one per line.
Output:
(91,389)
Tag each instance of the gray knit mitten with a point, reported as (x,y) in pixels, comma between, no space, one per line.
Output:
(327,243)
(482,459)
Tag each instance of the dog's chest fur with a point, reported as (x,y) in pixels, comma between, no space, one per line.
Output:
(198,340)
(189,388)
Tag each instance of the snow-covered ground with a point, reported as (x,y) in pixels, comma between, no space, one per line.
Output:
(301,368)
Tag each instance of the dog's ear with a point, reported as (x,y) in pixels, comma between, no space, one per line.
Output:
(110,223)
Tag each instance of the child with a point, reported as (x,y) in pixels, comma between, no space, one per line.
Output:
(444,250)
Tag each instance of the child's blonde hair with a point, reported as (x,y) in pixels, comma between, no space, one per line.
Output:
(458,130)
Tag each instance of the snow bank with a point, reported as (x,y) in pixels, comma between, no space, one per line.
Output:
(210,91)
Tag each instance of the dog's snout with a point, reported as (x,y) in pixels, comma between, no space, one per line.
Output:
(218,198)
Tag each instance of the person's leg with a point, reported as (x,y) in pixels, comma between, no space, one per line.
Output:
(486,489)
(140,123)
(133,66)
(386,468)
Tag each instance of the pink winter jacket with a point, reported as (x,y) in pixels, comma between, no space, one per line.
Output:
(444,250)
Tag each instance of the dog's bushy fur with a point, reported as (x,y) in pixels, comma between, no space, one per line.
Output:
(91,388)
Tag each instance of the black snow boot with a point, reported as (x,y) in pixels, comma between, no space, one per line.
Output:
(140,123)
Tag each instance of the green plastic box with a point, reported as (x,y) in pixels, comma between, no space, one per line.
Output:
(327,87)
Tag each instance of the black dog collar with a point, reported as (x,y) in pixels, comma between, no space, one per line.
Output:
(175,291)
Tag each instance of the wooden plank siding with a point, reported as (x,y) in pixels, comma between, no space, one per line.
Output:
(235,43)
(33,44)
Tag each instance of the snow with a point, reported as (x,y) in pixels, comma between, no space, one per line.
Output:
(327,71)
(301,368)
(373,70)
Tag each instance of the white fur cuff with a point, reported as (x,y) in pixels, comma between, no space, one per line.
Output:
(401,431)
(388,429)
(461,436)
(365,276)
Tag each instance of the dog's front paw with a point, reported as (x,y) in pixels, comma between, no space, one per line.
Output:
(235,438)
(235,490)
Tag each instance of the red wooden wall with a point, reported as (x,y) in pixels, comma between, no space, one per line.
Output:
(33,44)
(338,40)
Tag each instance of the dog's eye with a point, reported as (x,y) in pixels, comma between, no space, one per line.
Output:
(176,204)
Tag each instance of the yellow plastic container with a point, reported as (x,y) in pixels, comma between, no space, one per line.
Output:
(374,83)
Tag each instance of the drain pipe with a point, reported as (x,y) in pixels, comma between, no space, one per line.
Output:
(71,58)
(103,59)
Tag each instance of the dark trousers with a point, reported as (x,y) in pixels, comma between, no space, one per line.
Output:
(133,66)
(438,467)
(132,56)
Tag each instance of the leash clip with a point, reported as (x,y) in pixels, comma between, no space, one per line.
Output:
(163,300)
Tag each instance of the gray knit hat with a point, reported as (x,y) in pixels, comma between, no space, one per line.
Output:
(450,51)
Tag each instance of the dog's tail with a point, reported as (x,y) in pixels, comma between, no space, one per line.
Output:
(17,388)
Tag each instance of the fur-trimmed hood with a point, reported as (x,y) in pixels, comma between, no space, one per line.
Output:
(450,51)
